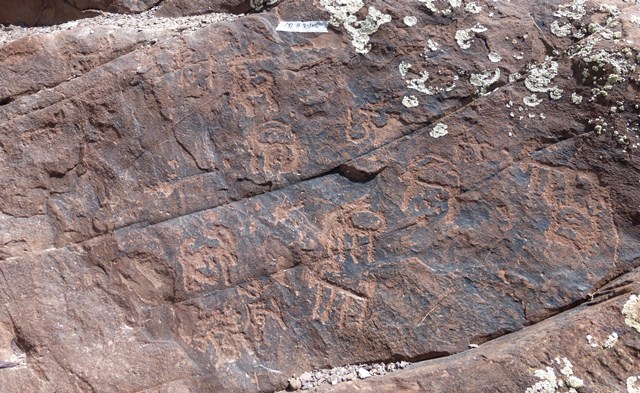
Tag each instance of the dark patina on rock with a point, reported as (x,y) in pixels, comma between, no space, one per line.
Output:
(222,209)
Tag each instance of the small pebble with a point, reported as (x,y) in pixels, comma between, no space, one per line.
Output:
(362,373)
(294,384)
(334,376)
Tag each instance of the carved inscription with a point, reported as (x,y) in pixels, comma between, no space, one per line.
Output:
(338,304)
(233,329)
(350,231)
(580,217)
(207,260)
(275,151)
(427,189)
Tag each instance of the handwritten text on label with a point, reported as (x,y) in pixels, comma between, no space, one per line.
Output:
(316,26)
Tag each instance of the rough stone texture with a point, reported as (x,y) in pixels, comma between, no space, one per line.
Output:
(48,12)
(51,12)
(507,364)
(222,209)
(194,7)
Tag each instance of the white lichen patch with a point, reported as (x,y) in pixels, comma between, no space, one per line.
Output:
(532,100)
(473,7)
(579,33)
(633,384)
(616,61)
(574,10)
(611,340)
(560,31)
(484,80)
(567,371)
(604,67)
(514,77)
(576,99)
(404,68)
(432,45)
(541,75)
(439,130)
(610,9)
(549,382)
(258,5)
(410,101)
(631,312)
(452,85)
(494,57)
(464,37)
(410,20)
(430,4)
(343,13)
(591,341)
(555,93)
(575,383)
(419,84)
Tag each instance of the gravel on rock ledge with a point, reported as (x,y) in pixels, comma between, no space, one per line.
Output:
(143,21)
(310,380)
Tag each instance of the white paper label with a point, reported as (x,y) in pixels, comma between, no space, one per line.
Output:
(315,26)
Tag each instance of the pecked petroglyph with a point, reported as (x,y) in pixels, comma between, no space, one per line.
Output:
(349,232)
(275,151)
(338,304)
(207,261)
(576,204)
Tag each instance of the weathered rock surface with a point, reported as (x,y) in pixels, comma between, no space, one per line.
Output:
(48,12)
(584,337)
(218,209)
(51,12)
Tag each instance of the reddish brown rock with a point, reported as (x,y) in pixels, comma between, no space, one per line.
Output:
(174,8)
(52,12)
(41,12)
(220,209)
(593,339)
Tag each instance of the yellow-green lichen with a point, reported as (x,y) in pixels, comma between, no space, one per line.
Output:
(541,75)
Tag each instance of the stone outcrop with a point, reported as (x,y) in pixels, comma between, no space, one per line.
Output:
(51,12)
(601,350)
(223,207)
(48,12)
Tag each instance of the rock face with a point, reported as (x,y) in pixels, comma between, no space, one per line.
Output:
(593,341)
(48,12)
(220,208)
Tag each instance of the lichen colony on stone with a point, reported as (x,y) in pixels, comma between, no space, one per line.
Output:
(343,13)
